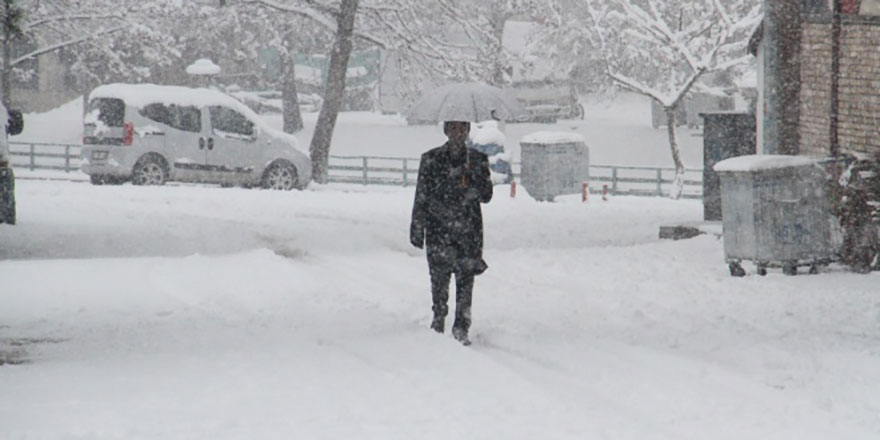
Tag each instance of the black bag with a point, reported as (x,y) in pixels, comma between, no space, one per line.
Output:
(15,123)
(476,265)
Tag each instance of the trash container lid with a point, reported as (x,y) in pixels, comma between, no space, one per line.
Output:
(552,137)
(762,162)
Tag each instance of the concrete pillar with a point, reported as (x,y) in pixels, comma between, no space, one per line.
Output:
(782,84)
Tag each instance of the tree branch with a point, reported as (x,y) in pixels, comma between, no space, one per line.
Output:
(57,18)
(318,17)
(57,46)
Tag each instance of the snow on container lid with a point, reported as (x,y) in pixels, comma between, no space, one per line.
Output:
(762,162)
(552,137)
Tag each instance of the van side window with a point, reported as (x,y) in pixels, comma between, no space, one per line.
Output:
(109,111)
(157,112)
(230,123)
(175,116)
(188,118)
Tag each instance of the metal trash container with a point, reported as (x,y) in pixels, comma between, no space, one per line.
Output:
(776,212)
(554,163)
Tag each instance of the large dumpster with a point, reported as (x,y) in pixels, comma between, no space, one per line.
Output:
(554,163)
(776,212)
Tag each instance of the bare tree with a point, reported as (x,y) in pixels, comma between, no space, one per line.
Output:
(51,25)
(320,146)
(407,27)
(662,49)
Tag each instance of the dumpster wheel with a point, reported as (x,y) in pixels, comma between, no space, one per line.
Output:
(790,268)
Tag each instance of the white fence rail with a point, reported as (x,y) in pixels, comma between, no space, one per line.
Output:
(400,171)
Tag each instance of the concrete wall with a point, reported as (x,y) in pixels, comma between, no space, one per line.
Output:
(859,127)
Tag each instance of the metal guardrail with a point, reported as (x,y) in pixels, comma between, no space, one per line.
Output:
(45,156)
(399,171)
(620,180)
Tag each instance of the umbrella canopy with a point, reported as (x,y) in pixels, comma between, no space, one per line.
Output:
(472,102)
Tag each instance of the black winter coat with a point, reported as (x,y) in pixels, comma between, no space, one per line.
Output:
(446,211)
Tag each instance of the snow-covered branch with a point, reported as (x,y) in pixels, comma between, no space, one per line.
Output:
(71,17)
(316,15)
(56,46)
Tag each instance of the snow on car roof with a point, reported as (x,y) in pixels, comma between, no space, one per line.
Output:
(141,95)
(759,162)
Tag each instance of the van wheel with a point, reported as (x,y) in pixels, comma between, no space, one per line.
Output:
(96,179)
(149,171)
(280,176)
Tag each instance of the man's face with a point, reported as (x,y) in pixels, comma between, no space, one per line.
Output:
(457,132)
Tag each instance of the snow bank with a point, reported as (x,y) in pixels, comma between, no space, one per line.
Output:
(760,162)
(63,125)
(552,137)
(220,314)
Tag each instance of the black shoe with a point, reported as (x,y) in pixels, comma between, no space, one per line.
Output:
(461,335)
(438,323)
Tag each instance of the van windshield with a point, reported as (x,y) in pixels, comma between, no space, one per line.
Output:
(109,111)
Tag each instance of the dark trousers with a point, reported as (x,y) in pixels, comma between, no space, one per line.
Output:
(442,265)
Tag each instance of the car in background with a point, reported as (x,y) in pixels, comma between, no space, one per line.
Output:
(547,103)
(150,134)
(14,125)
(488,139)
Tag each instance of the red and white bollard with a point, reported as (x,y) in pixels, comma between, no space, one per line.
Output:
(605,192)
(585,192)
(513,189)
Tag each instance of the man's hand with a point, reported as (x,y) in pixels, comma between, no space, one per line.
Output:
(455,173)
(417,238)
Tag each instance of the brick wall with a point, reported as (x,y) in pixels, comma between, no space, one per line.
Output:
(859,127)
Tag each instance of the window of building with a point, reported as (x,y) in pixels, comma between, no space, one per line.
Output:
(869,7)
(859,7)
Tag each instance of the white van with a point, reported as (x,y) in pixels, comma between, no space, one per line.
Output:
(151,134)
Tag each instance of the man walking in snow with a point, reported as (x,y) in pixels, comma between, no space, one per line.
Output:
(453,181)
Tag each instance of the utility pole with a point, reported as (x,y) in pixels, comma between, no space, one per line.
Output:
(782,78)
(835,78)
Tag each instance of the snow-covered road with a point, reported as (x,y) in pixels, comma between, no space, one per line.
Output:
(207,313)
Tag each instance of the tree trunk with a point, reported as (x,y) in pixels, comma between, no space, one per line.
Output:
(7,46)
(497,19)
(678,181)
(293,121)
(333,95)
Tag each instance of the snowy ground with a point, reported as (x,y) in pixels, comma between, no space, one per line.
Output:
(200,312)
(209,313)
